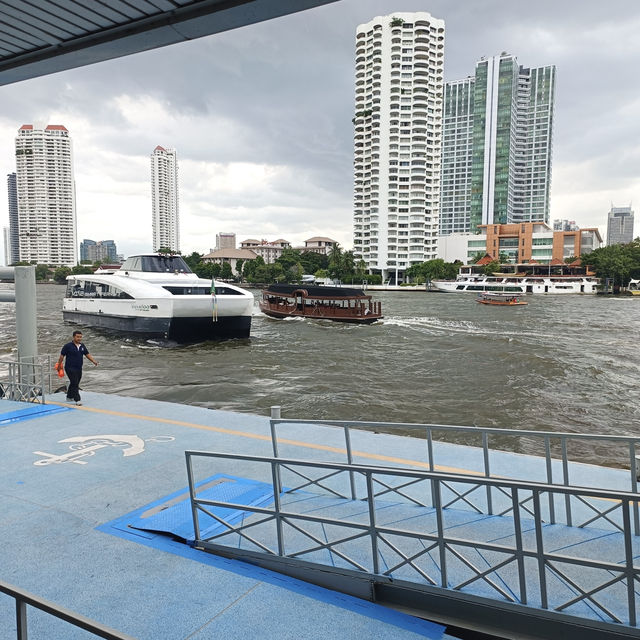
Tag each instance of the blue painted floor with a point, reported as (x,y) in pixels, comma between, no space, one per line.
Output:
(65,474)
(69,476)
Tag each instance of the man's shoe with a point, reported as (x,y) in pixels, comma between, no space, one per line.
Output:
(78,403)
(70,400)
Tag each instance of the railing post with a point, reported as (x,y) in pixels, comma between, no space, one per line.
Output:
(517,529)
(275,415)
(437,505)
(487,470)
(542,565)
(21,619)
(628,557)
(634,484)
(275,475)
(547,455)
(565,481)
(372,523)
(26,324)
(347,441)
(192,497)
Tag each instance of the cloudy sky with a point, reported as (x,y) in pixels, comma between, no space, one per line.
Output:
(261,117)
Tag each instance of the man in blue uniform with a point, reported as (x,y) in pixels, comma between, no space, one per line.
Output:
(74,352)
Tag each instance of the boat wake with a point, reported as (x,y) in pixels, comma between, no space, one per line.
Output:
(438,326)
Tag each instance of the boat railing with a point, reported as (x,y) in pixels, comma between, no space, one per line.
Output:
(484,452)
(24,599)
(26,379)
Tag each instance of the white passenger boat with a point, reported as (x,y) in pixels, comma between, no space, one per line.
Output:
(158,295)
(523,284)
(634,287)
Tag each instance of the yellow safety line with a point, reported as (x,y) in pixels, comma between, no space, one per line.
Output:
(297,443)
(255,436)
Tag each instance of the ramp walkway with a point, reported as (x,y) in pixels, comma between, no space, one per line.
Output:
(444,546)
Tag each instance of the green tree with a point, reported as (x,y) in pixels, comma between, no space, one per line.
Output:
(312,261)
(620,262)
(82,269)
(239,264)
(42,272)
(193,260)
(335,261)
(226,273)
(491,268)
(168,251)
(60,274)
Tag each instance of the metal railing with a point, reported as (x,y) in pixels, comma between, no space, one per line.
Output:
(24,599)
(26,379)
(555,471)
(398,525)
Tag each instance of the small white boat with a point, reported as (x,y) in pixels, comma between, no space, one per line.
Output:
(634,287)
(157,295)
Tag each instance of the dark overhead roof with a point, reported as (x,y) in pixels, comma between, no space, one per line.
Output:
(38,37)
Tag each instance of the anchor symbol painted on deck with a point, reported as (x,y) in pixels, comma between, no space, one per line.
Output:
(86,446)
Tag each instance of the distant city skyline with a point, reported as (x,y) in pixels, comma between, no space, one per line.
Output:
(265,135)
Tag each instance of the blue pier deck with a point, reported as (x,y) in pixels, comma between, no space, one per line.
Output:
(75,478)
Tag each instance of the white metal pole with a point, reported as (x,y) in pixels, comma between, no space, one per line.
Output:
(26,325)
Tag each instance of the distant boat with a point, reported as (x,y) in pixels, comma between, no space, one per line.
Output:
(319,303)
(500,299)
(634,287)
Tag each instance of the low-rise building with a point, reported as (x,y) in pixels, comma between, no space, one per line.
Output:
(220,256)
(269,251)
(318,244)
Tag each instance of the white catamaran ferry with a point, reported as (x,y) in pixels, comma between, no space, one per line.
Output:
(157,295)
(525,278)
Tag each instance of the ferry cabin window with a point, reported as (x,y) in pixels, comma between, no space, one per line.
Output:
(156,264)
(202,291)
(90,289)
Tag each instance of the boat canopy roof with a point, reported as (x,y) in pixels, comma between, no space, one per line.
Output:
(315,292)
(156,263)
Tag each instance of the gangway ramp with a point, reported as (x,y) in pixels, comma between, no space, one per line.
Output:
(488,553)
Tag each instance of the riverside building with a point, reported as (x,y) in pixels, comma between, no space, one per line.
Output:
(13,238)
(397,137)
(164,199)
(45,193)
(620,225)
(497,143)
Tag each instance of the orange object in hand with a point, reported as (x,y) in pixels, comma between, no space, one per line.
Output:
(58,367)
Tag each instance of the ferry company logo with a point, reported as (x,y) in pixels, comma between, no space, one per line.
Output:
(86,446)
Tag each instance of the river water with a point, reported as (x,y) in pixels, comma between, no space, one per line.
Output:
(562,363)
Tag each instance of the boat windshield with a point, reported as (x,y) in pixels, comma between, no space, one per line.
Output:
(156,264)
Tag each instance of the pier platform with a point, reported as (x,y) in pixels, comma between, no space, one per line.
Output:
(75,478)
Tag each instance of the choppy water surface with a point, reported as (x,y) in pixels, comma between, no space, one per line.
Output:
(562,363)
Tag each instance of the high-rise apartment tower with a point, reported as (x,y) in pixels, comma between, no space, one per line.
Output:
(164,199)
(619,225)
(13,254)
(45,191)
(398,126)
(496,149)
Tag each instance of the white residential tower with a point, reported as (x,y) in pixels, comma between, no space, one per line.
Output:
(45,191)
(164,199)
(397,141)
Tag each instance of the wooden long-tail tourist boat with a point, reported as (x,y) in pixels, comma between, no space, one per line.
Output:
(320,303)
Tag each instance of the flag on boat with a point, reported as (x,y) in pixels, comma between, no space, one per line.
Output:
(215,300)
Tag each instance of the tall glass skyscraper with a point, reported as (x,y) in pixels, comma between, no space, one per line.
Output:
(397,138)
(46,196)
(496,150)
(164,199)
(620,225)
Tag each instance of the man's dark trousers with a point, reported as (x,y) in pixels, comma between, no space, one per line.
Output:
(73,392)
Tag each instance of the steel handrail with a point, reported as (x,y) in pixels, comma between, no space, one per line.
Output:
(24,598)
(521,495)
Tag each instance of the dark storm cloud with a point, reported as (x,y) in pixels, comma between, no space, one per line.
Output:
(281,94)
